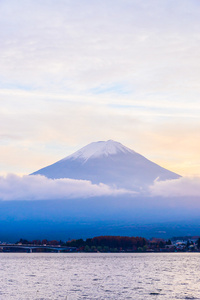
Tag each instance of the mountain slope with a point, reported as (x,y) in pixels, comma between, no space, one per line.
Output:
(108,162)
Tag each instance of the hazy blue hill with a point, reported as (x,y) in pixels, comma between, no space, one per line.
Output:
(91,217)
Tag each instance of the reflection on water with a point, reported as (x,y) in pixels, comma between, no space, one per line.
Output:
(99,276)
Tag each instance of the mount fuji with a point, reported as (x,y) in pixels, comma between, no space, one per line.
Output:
(126,213)
(111,163)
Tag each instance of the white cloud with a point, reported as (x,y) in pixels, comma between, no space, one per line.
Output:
(76,46)
(73,72)
(13,187)
(182,187)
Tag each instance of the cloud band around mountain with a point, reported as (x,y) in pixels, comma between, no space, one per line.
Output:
(38,187)
(181,187)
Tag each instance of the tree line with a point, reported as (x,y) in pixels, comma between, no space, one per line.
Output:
(115,244)
(109,243)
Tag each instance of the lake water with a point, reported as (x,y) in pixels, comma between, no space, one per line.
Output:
(99,276)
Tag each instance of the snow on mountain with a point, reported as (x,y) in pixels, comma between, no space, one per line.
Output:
(110,163)
(98,149)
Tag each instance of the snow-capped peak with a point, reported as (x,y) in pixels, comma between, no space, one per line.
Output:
(98,149)
(110,163)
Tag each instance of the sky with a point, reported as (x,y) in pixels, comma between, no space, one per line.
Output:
(75,72)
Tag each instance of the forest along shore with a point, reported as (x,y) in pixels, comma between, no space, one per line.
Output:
(106,244)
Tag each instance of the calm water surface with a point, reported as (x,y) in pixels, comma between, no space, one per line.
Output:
(99,276)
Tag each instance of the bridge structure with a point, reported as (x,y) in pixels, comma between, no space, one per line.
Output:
(34,248)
